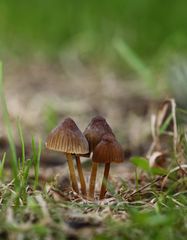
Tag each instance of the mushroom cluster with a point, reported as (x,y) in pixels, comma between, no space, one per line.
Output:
(97,139)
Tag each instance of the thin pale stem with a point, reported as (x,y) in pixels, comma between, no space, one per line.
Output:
(104,182)
(81,175)
(92,180)
(72,173)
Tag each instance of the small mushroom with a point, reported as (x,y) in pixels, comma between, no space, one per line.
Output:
(107,151)
(81,175)
(95,130)
(94,133)
(67,138)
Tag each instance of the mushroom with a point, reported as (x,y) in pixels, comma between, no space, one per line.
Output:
(81,175)
(95,130)
(94,133)
(67,138)
(107,151)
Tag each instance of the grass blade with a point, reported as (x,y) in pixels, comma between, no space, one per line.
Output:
(2,166)
(36,160)
(127,54)
(22,144)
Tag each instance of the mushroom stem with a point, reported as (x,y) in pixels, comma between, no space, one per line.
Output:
(72,172)
(81,175)
(104,182)
(92,180)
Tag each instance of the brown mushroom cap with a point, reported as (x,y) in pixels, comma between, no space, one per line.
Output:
(95,131)
(67,137)
(108,150)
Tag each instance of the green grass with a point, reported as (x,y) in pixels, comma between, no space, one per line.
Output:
(145,209)
(19,167)
(7,125)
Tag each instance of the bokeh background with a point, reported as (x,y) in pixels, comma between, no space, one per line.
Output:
(80,58)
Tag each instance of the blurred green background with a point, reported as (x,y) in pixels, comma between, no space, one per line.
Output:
(145,37)
(154,29)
